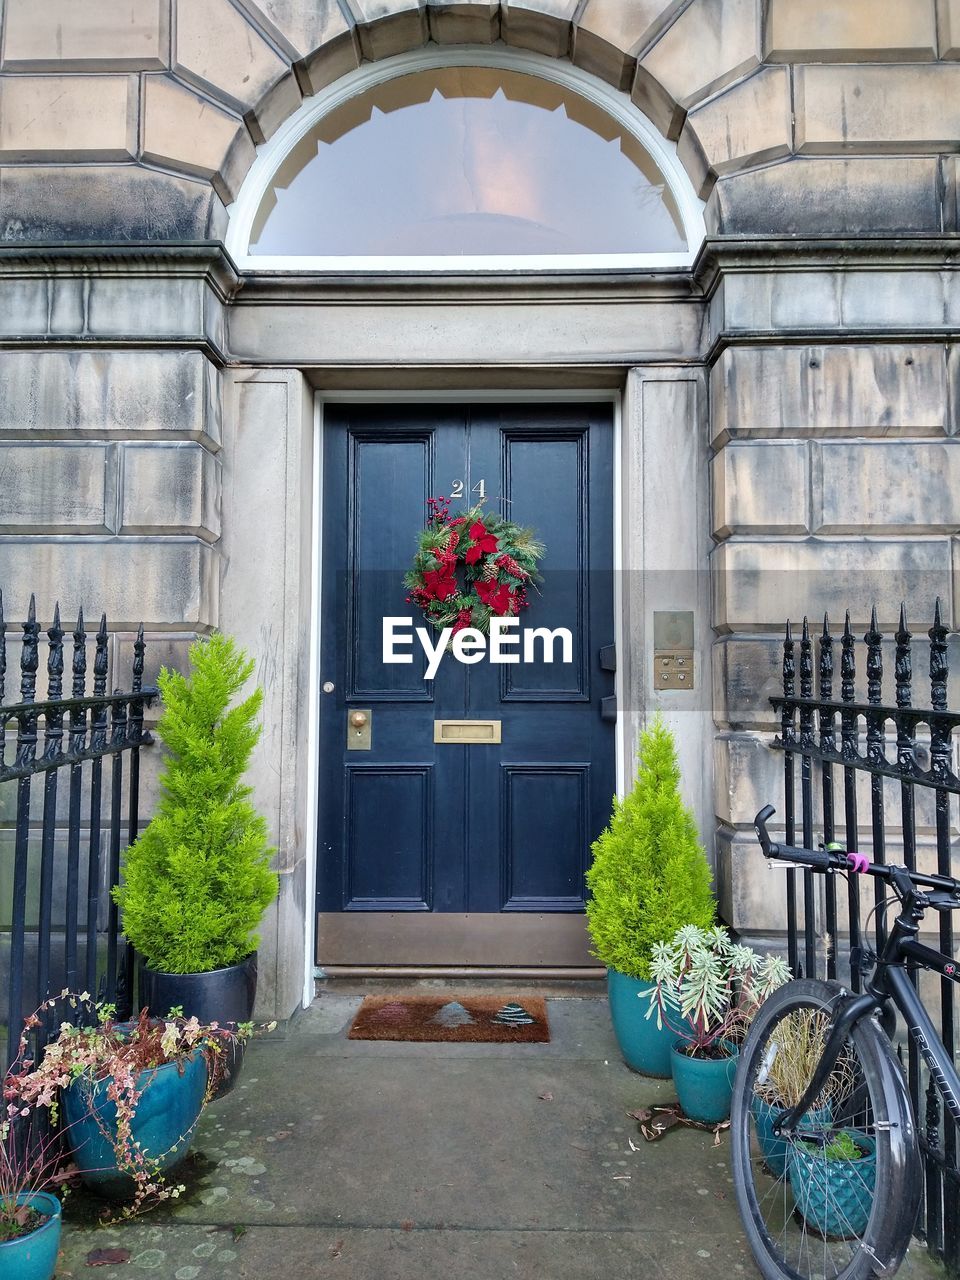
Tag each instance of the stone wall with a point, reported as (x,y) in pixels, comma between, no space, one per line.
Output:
(791,116)
(834,487)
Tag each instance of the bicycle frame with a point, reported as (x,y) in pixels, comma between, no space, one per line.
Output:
(890,981)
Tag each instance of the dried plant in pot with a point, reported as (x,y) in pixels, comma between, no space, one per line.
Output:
(31,1168)
(198,880)
(796,1046)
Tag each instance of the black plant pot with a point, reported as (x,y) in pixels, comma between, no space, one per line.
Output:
(225,996)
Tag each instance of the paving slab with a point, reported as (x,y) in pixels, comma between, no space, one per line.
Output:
(373,1160)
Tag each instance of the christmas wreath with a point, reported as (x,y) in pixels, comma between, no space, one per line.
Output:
(496,560)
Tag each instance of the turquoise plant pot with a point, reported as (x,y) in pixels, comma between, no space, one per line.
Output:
(704,1085)
(645,1047)
(776,1150)
(171,1099)
(835,1196)
(34,1256)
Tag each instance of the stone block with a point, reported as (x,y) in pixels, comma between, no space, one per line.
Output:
(386,27)
(897,108)
(82,117)
(948,22)
(298,27)
(188,133)
(56,488)
(752,893)
(711,44)
(759,584)
(855,31)
(58,871)
(829,390)
(760,487)
(132,579)
(904,486)
(280,101)
(691,155)
(218,50)
(168,308)
(170,488)
(749,771)
(875,300)
(105,204)
(747,670)
(746,675)
(464,21)
(830,196)
(610,33)
(546,26)
(119,35)
(746,125)
(80,394)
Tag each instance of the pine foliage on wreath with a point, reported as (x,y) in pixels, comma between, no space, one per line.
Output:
(498,561)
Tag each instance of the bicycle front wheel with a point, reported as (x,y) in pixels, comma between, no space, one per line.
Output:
(837,1199)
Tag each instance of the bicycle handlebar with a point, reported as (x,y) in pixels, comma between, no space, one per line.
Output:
(842,860)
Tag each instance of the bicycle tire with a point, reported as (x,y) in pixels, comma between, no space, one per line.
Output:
(807,1217)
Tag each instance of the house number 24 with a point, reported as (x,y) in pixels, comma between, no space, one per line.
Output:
(479,489)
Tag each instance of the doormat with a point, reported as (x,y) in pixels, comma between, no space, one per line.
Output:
(464,1019)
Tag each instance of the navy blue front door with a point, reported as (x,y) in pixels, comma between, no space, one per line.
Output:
(412,825)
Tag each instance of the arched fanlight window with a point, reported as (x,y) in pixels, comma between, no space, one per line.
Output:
(497,161)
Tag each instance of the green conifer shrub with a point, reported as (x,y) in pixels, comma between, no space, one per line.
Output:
(649,874)
(198,880)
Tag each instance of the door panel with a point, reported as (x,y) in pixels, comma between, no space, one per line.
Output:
(416,826)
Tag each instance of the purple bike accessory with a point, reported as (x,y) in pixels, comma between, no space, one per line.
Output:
(859,862)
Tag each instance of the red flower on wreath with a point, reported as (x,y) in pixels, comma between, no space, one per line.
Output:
(483,543)
(497,597)
(440,584)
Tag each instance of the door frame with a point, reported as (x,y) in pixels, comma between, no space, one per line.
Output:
(489,395)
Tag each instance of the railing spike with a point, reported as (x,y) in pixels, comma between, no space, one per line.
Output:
(938,661)
(55,656)
(100,660)
(79,657)
(903,667)
(30,654)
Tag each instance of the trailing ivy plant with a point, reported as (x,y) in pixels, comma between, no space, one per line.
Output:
(198,880)
(649,874)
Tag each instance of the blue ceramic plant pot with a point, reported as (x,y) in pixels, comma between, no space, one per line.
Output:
(777,1150)
(171,1100)
(835,1196)
(645,1048)
(704,1085)
(34,1256)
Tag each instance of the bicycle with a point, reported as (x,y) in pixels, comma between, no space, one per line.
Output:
(826,1162)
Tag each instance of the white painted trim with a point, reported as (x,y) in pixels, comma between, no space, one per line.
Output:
(546,397)
(271,154)
(313,715)
(620,639)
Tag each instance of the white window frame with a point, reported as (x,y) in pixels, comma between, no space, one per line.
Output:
(271,155)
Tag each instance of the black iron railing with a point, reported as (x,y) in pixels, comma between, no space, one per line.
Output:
(61,925)
(834,749)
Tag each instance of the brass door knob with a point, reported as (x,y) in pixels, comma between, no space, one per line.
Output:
(358,719)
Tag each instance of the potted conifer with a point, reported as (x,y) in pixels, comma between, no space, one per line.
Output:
(198,880)
(649,876)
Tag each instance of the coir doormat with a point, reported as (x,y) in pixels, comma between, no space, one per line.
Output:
(466,1019)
